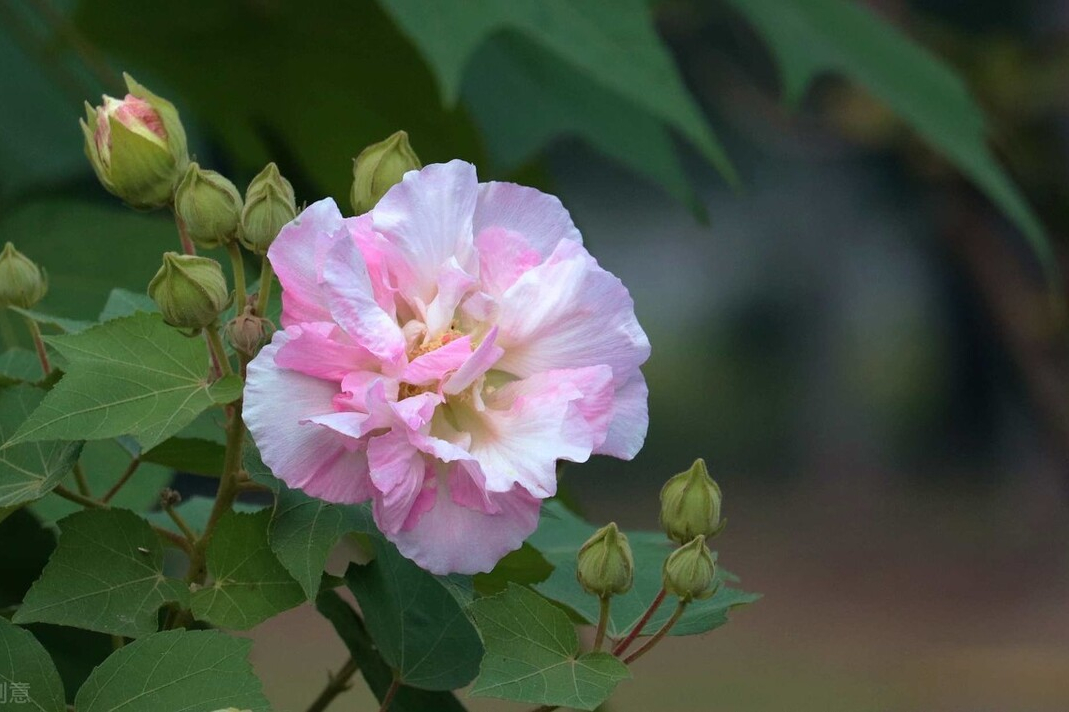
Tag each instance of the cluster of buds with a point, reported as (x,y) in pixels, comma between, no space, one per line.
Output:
(378,168)
(22,282)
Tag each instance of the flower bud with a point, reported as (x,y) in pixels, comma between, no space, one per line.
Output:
(22,282)
(689,571)
(136,145)
(190,291)
(690,505)
(209,206)
(269,204)
(247,332)
(378,168)
(606,567)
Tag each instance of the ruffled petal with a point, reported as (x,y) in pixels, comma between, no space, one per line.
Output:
(293,257)
(538,216)
(428,217)
(630,419)
(503,256)
(303,455)
(322,350)
(451,538)
(398,472)
(478,363)
(433,366)
(348,291)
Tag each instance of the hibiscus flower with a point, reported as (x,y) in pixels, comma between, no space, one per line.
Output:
(438,356)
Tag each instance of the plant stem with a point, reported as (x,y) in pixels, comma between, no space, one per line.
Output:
(603,622)
(336,684)
(39,344)
(126,475)
(83,483)
(91,503)
(238,263)
(187,244)
(623,645)
(215,343)
(658,635)
(390,694)
(267,278)
(180,523)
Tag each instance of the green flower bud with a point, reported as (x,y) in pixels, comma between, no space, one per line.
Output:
(190,291)
(689,571)
(136,145)
(378,168)
(269,204)
(690,505)
(209,206)
(22,282)
(606,567)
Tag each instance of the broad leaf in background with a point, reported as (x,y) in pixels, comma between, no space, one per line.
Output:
(193,455)
(106,574)
(24,662)
(418,626)
(19,366)
(104,462)
(559,536)
(31,470)
(611,42)
(809,37)
(374,669)
(66,326)
(247,585)
(130,376)
(188,670)
(196,511)
(215,58)
(88,249)
(532,654)
(22,564)
(123,302)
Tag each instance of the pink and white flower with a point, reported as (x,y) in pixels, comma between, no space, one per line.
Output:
(439,355)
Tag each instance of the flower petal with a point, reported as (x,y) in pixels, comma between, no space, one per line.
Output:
(629,420)
(433,366)
(503,256)
(428,217)
(322,350)
(451,538)
(293,257)
(398,472)
(538,216)
(479,362)
(303,455)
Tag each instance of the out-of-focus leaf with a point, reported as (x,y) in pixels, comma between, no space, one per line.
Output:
(525,566)
(130,376)
(188,670)
(31,470)
(341,76)
(809,37)
(106,574)
(374,669)
(613,42)
(196,511)
(123,302)
(19,366)
(420,629)
(248,585)
(22,564)
(193,455)
(66,326)
(559,536)
(532,654)
(24,662)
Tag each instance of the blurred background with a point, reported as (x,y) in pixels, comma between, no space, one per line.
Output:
(859,343)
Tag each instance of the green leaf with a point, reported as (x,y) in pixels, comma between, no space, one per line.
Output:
(31,470)
(532,654)
(26,669)
(247,583)
(67,326)
(187,670)
(123,302)
(19,366)
(613,42)
(194,455)
(106,574)
(525,566)
(304,530)
(420,629)
(559,536)
(131,376)
(374,669)
(104,462)
(809,37)
(22,564)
